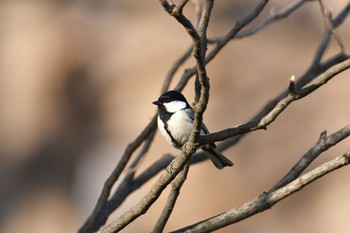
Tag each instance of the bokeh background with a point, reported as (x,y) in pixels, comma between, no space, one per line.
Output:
(77,79)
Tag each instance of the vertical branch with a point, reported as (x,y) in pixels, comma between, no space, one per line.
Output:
(199,52)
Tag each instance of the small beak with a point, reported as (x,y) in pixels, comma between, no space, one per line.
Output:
(156,103)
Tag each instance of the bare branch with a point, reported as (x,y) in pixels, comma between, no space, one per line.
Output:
(336,22)
(138,159)
(145,203)
(174,68)
(321,48)
(181,5)
(199,48)
(197,11)
(323,144)
(279,107)
(266,200)
(275,16)
(238,26)
(90,224)
(305,85)
(327,16)
(169,206)
(236,32)
(177,14)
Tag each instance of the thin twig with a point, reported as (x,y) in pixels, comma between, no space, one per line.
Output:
(138,159)
(239,25)
(275,16)
(321,48)
(336,22)
(174,68)
(327,17)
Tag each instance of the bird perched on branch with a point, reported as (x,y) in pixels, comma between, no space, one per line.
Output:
(175,120)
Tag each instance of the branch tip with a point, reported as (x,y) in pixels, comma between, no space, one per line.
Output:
(292,78)
(323,135)
(291,87)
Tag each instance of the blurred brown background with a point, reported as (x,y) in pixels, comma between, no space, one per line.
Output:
(77,79)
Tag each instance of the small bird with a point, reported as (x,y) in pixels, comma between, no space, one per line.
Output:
(175,120)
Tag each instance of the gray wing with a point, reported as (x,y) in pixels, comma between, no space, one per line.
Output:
(190,113)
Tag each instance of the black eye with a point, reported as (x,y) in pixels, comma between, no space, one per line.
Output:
(166,99)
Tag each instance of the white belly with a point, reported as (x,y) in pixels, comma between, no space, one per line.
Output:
(180,128)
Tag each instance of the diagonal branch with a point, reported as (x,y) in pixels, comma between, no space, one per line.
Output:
(239,25)
(284,13)
(146,202)
(279,107)
(327,16)
(174,68)
(266,200)
(169,206)
(90,224)
(323,144)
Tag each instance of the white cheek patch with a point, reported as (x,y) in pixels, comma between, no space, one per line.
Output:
(174,106)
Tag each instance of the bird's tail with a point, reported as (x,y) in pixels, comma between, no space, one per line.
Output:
(218,159)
